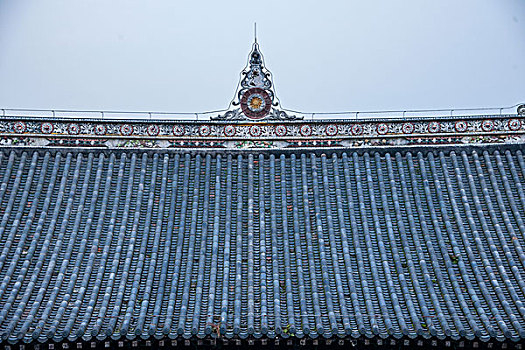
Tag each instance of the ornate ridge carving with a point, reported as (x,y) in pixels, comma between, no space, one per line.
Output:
(255,98)
(274,114)
(85,133)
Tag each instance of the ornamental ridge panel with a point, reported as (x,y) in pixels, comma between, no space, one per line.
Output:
(472,129)
(255,98)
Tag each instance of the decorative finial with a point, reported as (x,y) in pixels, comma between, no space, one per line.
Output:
(255,31)
(255,96)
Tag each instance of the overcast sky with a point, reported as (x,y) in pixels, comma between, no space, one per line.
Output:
(185,56)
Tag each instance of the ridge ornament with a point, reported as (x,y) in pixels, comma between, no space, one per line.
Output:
(256,103)
(255,98)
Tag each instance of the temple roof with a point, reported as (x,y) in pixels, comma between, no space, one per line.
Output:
(392,243)
(260,223)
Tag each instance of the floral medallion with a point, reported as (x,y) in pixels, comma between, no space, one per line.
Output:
(357,129)
(331,130)
(256,103)
(100,129)
(306,130)
(487,125)
(73,129)
(204,130)
(514,124)
(19,127)
(408,128)
(229,130)
(178,130)
(382,128)
(126,129)
(461,126)
(153,130)
(280,130)
(434,127)
(255,130)
(47,128)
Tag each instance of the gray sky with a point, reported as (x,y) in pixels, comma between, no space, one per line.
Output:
(185,56)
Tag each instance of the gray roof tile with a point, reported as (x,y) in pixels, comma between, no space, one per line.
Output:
(127,244)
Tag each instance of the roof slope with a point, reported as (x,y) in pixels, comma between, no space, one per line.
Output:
(98,244)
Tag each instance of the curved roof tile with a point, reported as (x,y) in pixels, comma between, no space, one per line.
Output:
(138,244)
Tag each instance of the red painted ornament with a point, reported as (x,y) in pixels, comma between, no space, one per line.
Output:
(256,103)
